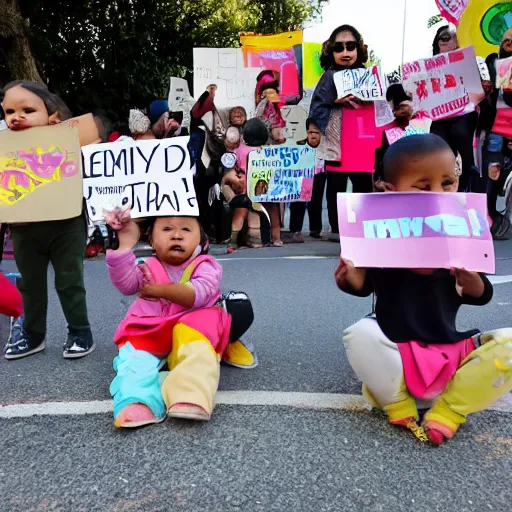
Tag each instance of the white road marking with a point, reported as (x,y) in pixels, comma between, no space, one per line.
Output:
(337,402)
(280,258)
(500,279)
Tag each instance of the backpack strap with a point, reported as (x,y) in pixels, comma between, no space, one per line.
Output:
(189,271)
(161,276)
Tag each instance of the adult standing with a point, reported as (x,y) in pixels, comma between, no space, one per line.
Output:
(457,131)
(345,49)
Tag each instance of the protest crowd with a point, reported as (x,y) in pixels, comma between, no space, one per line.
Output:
(296,137)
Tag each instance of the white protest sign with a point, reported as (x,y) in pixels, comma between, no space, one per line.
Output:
(224,67)
(152,177)
(367,84)
(180,99)
(440,84)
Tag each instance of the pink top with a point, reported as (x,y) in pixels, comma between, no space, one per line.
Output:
(10,298)
(242,152)
(146,318)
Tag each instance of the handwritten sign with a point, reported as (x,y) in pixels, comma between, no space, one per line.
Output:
(440,85)
(366,84)
(40,174)
(281,174)
(452,10)
(416,230)
(152,177)
(504,74)
(224,67)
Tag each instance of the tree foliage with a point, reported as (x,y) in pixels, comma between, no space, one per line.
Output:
(116,54)
(434,20)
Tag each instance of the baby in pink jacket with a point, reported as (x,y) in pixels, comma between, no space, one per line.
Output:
(176,317)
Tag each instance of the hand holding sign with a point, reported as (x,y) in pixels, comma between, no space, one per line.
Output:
(346,275)
(468,283)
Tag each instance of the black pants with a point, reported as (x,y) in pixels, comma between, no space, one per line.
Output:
(337,182)
(458,132)
(62,243)
(298,210)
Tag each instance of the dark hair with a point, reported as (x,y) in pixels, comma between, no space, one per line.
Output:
(310,121)
(51,101)
(264,73)
(410,148)
(204,241)
(396,94)
(103,123)
(255,132)
(326,56)
(435,42)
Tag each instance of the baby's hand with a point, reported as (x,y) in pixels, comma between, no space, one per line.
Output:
(468,283)
(341,272)
(116,217)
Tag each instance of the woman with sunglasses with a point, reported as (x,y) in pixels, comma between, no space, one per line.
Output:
(494,145)
(345,49)
(457,131)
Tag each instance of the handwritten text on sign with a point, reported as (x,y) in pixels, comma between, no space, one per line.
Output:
(281,174)
(152,177)
(452,10)
(366,84)
(416,230)
(440,85)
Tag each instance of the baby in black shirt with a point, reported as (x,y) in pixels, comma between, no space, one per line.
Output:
(410,349)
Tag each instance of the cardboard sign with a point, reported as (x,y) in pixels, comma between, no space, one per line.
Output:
(504,74)
(366,84)
(40,174)
(452,10)
(224,67)
(281,174)
(416,230)
(295,119)
(440,84)
(88,130)
(152,177)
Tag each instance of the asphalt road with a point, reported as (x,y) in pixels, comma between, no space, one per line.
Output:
(246,458)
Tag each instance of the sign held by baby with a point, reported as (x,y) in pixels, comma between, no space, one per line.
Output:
(149,177)
(416,230)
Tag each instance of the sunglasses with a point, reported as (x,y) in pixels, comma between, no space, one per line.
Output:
(350,46)
(506,41)
(446,38)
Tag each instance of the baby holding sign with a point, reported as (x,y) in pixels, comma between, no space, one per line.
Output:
(179,317)
(410,348)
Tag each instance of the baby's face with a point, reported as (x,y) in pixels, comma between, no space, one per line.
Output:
(428,173)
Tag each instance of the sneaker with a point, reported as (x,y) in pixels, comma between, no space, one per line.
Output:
(20,344)
(240,354)
(79,343)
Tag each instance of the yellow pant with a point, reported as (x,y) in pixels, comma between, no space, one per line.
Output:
(482,378)
(194,370)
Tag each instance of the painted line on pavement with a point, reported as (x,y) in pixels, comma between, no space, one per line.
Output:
(338,402)
(500,279)
(280,258)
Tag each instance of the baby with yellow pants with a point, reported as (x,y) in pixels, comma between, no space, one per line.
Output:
(410,350)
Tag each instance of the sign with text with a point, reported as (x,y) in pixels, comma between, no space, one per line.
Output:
(440,85)
(504,74)
(152,177)
(40,174)
(281,174)
(416,230)
(224,67)
(367,84)
(452,10)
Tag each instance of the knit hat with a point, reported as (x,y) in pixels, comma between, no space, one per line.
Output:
(138,122)
(156,109)
(255,132)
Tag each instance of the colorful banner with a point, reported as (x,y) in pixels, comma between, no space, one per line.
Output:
(418,126)
(367,84)
(40,174)
(281,174)
(440,84)
(416,230)
(311,69)
(483,24)
(452,10)
(224,67)
(152,177)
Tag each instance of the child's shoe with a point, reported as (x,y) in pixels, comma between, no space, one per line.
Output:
(136,415)
(188,412)
(20,343)
(79,343)
(240,354)
(438,432)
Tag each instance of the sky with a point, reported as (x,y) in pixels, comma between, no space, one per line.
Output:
(381,24)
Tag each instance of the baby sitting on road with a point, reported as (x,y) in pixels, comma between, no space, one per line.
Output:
(410,348)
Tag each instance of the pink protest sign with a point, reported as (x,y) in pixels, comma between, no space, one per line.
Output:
(440,85)
(360,137)
(416,230)
(452,10)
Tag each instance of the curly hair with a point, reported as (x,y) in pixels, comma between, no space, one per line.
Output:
(326,56)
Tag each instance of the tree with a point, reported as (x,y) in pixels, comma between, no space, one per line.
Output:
(434,20)
(373,60)
(117,54)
